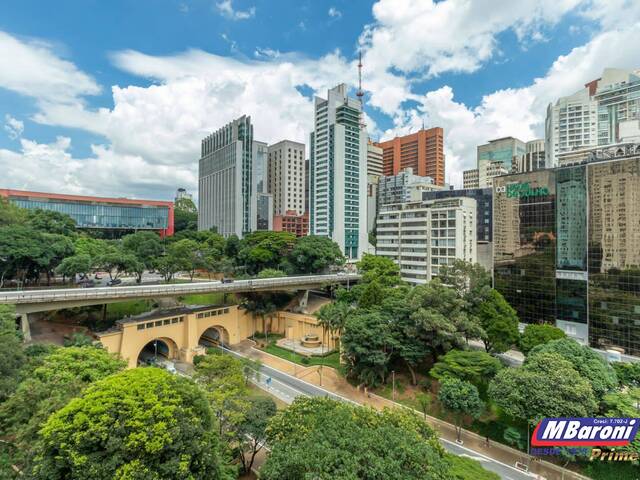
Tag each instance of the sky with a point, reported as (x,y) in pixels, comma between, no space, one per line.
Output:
(112,98)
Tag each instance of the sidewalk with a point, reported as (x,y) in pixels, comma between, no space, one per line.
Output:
(335,383)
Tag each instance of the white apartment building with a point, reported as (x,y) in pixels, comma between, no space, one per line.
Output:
(423,236)
(374,159)
(338,173)
(533,159)
(571,123)
(287,176)
(470,178)
(404,187)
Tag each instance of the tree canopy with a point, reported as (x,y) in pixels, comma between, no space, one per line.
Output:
(140,423)
(587,362)
(314,254)
(546,385)
(535,335)
(11,354)
(460,398)
(323,439)
(473,366)
(499,322)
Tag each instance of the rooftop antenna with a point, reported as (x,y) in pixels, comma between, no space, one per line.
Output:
(360,93)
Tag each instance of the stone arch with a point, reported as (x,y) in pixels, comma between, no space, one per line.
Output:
(214,335)
(164,347)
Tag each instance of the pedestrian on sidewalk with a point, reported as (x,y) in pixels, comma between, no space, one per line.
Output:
(486,442)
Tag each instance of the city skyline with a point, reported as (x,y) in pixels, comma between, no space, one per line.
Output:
(103,109)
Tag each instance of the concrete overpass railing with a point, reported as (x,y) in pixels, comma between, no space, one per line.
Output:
(86,295)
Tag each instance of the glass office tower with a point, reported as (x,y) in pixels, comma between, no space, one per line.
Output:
(614,254)
(524,243)
(586,282)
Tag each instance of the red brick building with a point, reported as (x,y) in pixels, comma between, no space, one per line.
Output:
(291,222)
(423,151)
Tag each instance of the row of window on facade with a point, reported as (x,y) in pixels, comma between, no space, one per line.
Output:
(160,323)
(212,313)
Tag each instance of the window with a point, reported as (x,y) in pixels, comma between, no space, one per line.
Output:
(174,320)
(150,325)
(167,321)
(141,326)
(159,323)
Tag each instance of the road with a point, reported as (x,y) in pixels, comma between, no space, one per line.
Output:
(287,388)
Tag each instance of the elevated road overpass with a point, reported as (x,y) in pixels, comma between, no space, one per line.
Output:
(31,301)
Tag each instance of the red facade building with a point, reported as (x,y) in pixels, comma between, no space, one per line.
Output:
(291,222)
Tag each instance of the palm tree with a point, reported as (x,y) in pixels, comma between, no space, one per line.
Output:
(332,317)
(260,306)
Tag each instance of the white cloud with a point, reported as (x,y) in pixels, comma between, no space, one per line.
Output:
(52,168)
(30,67)
(225,8)
(335,13)
(13,127)
(429,37)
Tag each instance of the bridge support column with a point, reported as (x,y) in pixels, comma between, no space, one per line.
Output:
(304,300)
(24,325)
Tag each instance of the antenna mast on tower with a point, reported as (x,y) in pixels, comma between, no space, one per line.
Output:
(360,93)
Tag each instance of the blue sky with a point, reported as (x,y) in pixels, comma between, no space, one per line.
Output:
(112,98)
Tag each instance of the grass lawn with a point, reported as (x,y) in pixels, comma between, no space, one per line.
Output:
(331,360)
(116,311)
(206,299)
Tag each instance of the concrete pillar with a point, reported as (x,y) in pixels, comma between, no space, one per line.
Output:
(304,300)
(24,325)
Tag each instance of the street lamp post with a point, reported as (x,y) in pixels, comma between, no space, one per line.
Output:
(155,353)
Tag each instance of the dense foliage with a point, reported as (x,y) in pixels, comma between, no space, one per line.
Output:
(141,423)
(324,439)
(535,335)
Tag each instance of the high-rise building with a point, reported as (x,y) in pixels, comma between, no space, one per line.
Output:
(374,159)
(422,151)
(482,177)
(306,185)
(533,159)
(484,219)
(618,97)
(338,172)
(502,151)
(404,187)
(292,222)
(181,193)
(261,200)
(287,177)
(571,123)
(567,246)
(113,217)
(225,179)
(423,236)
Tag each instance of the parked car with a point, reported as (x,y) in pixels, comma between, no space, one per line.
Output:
(227,280)
(114,282)
(86,283)
(97,276)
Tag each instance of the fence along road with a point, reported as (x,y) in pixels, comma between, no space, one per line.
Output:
(35,300)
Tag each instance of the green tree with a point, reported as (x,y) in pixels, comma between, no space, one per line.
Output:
(185,216)
(424,401)
(468,279)
(547,385)
(460,398)
(23,253)
(440,317)
(52,380)
(315,254)
(624,404)
(271,273)
(264,249)
(332,317)
(75,265)
(94,247)
(535,335)
(499,322)
(512,436)
(473,366)
(367,346)
(628,373)
(50,221)
(588,363)
(381,269)
(260,305)
(117,262)
(186,255)
(323,439)
(11,214)
(139,424)
(146,247)
(232,246)
(223,380)
(250,433)
(12,356)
